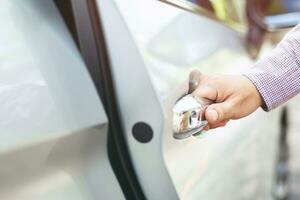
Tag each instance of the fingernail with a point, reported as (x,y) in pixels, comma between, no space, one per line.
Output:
(213,114)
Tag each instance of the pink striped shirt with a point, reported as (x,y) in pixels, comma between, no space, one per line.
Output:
(277,76)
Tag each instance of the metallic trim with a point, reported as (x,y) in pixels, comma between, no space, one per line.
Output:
(185,5)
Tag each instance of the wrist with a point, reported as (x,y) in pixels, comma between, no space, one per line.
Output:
(253,92)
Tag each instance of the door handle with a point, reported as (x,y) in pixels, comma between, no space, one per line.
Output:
(188,117)
(188,111)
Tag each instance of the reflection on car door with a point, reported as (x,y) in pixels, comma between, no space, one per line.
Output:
(152,48)
(53,141)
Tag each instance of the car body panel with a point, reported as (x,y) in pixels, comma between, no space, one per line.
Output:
(53,141)
(131,81)
(158,46)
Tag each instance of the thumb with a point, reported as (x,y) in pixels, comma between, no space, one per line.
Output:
(216,113)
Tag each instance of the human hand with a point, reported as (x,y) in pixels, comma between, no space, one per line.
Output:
(234,96)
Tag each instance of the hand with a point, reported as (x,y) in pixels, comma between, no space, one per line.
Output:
(234,96)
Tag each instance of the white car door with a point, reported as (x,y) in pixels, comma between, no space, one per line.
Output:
(152,48)
(53,127)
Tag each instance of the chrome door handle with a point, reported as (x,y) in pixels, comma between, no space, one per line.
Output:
(188,117)
(188,112)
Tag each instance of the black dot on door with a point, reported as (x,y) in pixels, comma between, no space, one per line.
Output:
(142,132)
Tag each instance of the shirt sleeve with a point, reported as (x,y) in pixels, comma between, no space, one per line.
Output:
(277,76)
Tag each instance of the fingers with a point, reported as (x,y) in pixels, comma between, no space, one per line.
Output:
(211,115)
(205,92)
(214,113)
(219,112)
(194,80)
(221,124)
(215,90)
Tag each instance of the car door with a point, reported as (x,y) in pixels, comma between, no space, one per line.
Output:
(152,47)
(54,129)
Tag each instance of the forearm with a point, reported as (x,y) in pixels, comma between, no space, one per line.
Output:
(277,77)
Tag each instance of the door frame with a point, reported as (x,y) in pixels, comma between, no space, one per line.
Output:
(93,49)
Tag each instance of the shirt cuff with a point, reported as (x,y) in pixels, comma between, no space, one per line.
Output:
(276,77)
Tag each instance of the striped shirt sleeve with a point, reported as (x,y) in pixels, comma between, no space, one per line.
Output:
(277,76)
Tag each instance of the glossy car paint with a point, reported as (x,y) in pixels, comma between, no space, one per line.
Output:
(152,48)
(53,125)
